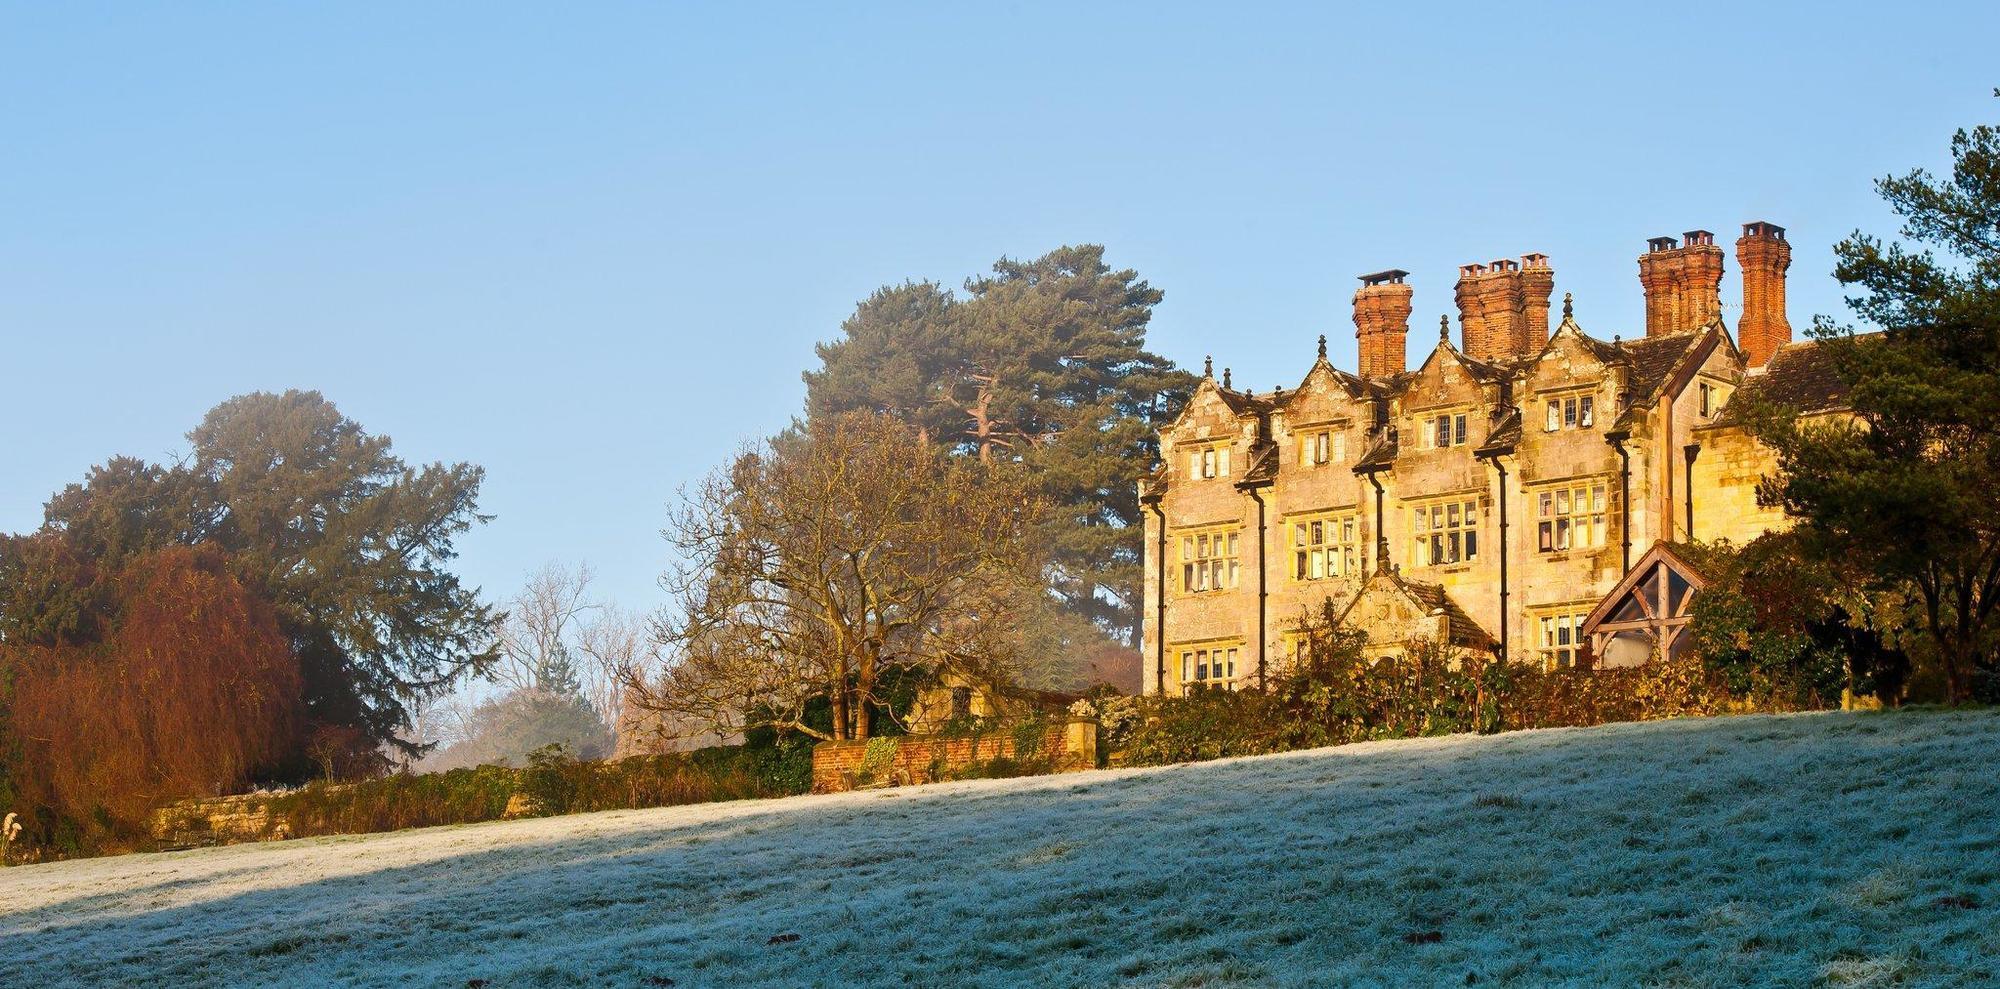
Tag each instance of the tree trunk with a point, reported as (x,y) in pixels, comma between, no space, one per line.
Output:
(864,688)
(840,728)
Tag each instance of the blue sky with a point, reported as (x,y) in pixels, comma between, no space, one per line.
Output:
(590,247)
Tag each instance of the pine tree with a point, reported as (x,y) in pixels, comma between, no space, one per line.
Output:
(1043,363)
(1906,492)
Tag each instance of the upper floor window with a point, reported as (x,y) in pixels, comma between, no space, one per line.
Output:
(1445,532)
(1708,399)
(1322,447)
(1208,561)
(1325,547)
(1571,412)
(1208,664)
(1570,517)
(1445,430)
(1209,461)
(1560,639)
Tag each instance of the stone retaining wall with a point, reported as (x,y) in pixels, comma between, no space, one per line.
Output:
(906,760)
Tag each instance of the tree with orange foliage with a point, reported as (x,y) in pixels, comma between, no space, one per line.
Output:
(193,690)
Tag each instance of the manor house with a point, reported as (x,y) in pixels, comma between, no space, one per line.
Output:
(1510,495)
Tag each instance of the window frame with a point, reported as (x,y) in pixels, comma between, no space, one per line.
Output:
(1551,624)
(1557,515)
(1444,527)
(1338,538)
(1208,461)
(1211,559)
(1211,664)
(1444,430)
(1568,411)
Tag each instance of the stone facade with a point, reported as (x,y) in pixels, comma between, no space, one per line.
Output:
(1557,458)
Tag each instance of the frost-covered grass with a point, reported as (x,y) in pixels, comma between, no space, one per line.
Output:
(1846,850)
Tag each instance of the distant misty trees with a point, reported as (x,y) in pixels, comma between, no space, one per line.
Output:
(561,657)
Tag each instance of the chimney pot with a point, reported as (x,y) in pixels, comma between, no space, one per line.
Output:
(1761,229)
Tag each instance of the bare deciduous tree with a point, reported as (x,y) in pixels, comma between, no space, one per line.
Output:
(819,562)
(560,639)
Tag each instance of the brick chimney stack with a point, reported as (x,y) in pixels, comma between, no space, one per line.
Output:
(1471,306)
(1538,283)
(1659,270)
(1763,255)
(1683,282)
(1382,322)
(1497,309)
(1701,286)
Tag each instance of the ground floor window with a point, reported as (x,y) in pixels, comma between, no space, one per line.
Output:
(1208,664)
(1559,638)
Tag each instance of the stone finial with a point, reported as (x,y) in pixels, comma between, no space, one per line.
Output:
(1225,377)
(1569,305)
(1208,366)
(1322,346)
(1444,329)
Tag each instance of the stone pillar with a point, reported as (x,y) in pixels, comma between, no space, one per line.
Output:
(1080,743)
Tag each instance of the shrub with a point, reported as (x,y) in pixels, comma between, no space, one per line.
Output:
(1334,694)
(554,782)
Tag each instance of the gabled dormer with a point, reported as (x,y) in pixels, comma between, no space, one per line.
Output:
(1573,383)
(1446,403)
(1324,422)
(1216,432)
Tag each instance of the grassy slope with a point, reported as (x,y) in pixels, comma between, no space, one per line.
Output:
(1806,850)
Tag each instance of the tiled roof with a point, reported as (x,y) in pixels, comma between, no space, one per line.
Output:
(1243,402)
(1800,377)
(1504,434)
(1464,631)
(1430,599)
(1263,465)
(1381,454)
(1653,359)
(1485,371)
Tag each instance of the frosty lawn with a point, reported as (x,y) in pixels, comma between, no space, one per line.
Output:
(1831,849)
